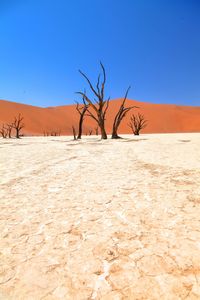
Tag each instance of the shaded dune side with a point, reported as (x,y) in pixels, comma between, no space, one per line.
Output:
(162,118)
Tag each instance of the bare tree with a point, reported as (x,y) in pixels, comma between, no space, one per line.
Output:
(3,131)
(46,133)
(54,133)
(18,125)
(99,105)
(9,129)
(120,115)
(97,130)
(137,123)
(74,132)
(81,110)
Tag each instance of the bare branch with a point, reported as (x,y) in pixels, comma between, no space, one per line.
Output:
(99,103)
(18,125)
(3,131)
(98,81)
(104,80)
(107,105)
(90,84)
(137,123)
(120,115)
(78,108)
(91,115)
(87,99)
(9,129)
(81,110)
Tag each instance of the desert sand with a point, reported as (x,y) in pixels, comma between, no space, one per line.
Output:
(96,219)
(162,118)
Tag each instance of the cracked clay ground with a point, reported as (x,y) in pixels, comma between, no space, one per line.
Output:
(100,219)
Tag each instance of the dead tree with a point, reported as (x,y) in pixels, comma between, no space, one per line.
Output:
(4,131)
(137,123)
(99,105)
(46,133)
(97,130)
(9,129)
(18,125)
(53,133)
(120,115)
(81,110)
(74,132)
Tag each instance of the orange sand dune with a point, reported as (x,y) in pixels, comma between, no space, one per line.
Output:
(162,118)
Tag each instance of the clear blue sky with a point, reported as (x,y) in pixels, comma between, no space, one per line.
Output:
(152,45)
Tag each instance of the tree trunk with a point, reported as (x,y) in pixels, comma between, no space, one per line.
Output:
(115,136)
(103,131)
(120,116)
(80,127)
(9,128)
(17,134)
(114,132)
(74,132)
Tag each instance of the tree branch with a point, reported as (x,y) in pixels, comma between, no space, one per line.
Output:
(90,84)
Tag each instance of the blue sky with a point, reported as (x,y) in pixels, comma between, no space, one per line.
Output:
(154,46)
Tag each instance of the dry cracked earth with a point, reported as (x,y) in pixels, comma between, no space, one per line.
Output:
(100,219)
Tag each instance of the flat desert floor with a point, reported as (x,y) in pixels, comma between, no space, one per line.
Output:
(100,219)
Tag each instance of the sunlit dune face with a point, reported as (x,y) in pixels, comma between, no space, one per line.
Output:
(161,118)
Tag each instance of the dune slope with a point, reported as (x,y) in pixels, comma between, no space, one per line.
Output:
(162,118)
